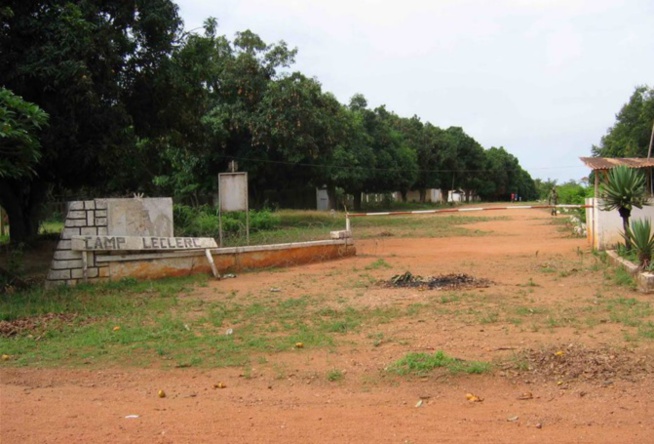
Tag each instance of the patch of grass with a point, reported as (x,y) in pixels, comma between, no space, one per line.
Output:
(377,339)
(628,311)
(335,375)
(110,299)
(646,330)
(298,226)
(489,317)
(621,277)
(415,309)
(341,321)
(378,264)
(448,298)
(531,283)
(421,364)
(143,323)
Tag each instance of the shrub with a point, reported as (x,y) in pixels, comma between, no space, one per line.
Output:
(195,221)
(642,240)
(203,221)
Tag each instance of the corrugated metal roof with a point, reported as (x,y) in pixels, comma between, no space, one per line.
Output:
(606,163)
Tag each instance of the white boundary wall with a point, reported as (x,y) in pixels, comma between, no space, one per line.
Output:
(604,227)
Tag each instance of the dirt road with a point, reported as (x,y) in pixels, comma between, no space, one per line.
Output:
(563,372)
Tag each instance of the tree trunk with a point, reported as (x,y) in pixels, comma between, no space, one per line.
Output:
(23,202)
(423,195)
(403,193)
(625,214)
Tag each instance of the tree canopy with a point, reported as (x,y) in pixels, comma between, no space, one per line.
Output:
(20,147)
(89,66)
(138,105)
(631,134)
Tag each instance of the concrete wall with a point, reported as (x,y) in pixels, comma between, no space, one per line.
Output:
(432,195)
(140,217)
(227,260)
(84,218)
(105,217)
(455,196)
(153,217)
(604,227)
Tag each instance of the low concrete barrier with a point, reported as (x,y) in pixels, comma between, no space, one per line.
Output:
(107,239)
(227,260)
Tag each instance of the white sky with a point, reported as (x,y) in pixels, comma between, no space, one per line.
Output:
(544,79)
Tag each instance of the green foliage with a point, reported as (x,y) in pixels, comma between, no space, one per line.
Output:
(642,240)
(465,161)
(114,299)
(335,375)
(624,190)
(504,177)
(378,264)
(138,323)
(92,67)
(573,193)
(544,187)
(421,364)
(621,277)
(142,106)
(203,221)
(630,135)
(20,148)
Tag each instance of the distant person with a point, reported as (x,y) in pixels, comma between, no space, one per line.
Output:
(553,200)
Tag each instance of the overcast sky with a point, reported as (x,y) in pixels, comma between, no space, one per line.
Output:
(544,79)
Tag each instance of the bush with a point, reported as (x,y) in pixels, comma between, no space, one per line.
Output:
(195,221)
(642,240)
(572,193)
(203,221)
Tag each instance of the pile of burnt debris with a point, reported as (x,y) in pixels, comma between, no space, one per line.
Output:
(442,282)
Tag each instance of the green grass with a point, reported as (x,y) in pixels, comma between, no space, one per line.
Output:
(299,226)
(421,364)
(147,323)
(163,324)
(335,375)
(51,227)
(378,264)
(621,277)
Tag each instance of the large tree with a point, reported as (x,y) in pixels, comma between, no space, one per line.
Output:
(20,124)
(85,64)
(465,161)
(631,134)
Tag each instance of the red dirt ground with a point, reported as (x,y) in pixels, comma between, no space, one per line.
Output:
(601,395)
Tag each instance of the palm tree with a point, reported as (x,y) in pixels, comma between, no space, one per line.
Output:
(624,190)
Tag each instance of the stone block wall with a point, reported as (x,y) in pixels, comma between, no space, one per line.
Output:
(105,217)
(153,217)
(88,217)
